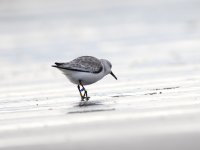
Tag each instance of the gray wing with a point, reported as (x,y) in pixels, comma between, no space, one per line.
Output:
(83,64)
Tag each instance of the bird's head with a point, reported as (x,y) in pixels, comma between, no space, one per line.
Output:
(107,67)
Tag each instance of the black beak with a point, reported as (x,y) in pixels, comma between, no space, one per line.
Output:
(113,75)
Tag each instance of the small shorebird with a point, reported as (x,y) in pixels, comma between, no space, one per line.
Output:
(85,70)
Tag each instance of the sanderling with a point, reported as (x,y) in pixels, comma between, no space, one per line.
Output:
(85,70)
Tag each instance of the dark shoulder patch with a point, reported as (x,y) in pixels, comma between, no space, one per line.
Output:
(83,64)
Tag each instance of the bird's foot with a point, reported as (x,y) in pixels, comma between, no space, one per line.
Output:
(85,98)
(82,98)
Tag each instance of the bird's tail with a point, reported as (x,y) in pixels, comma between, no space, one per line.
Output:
(57,64)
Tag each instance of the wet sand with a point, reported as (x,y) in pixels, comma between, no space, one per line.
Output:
(154,48)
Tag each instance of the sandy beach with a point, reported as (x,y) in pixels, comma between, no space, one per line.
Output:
(154,47)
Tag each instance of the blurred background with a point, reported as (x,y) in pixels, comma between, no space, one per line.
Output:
(154,45)
(147,33)
(131,33)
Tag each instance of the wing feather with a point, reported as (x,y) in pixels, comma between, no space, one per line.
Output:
(84,64)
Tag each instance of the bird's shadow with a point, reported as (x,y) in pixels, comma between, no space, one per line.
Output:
(91,110)
(88,103)
(89,106)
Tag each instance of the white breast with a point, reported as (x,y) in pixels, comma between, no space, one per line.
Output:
(85,77)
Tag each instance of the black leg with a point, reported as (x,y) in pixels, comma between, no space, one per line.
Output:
(82,97)
(85,95)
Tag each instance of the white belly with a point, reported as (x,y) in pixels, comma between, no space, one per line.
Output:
(85,77)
